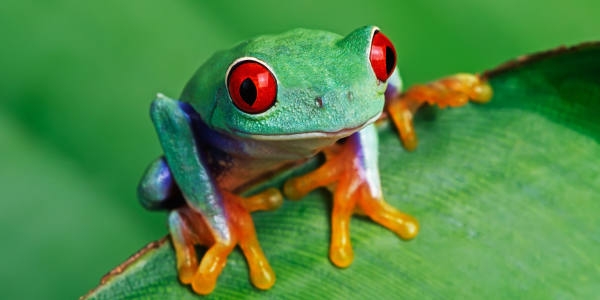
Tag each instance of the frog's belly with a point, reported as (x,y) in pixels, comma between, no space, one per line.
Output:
(232,173)
(234,161)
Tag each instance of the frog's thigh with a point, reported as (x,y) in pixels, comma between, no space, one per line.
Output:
(187,163)
(157,189)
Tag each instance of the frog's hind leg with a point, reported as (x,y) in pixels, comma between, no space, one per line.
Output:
(182,229)
(157,190)
(209,208)
(453,91)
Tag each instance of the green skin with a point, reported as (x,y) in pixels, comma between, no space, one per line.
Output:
(210,144)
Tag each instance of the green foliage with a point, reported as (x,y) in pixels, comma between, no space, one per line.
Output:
(506,194)
(77,79)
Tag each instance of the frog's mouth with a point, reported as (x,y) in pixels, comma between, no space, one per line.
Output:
(308,135)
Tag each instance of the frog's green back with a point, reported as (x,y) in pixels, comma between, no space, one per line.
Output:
(325,84)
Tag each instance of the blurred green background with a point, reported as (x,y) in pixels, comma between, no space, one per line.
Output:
(77,78)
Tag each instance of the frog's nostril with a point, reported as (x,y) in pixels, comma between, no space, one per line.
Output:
(319,102)
(350,96)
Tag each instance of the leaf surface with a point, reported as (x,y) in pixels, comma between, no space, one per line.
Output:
(507,195)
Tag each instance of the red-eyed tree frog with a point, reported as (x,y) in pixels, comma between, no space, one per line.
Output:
(269,102)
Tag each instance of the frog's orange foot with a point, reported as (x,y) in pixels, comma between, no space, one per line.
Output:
(354,192)
(453,91)
(188,229)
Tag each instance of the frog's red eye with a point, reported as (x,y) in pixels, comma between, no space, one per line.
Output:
(252,87)
(383,56)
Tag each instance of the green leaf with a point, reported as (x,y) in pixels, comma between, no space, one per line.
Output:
(507,195)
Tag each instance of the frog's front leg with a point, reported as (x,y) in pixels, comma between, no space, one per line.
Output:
(213,217)
(354,173)
(453,91)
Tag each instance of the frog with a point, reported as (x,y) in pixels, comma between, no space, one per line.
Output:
(273,101)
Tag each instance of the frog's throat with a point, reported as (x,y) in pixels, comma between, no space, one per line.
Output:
(307,135)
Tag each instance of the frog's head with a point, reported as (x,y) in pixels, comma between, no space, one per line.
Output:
(300,85)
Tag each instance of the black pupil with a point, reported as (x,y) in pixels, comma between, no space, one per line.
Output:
(248,91)
(389,60)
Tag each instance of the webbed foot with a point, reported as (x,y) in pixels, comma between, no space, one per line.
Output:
(453,91)
(188,228)
(351,171)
